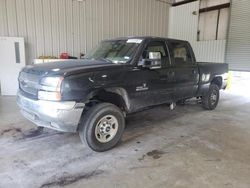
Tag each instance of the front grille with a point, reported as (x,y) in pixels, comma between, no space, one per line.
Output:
(29,83)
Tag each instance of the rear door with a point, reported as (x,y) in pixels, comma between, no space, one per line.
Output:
(185,69)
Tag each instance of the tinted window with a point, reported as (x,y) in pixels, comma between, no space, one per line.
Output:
(157,46)
(181,54)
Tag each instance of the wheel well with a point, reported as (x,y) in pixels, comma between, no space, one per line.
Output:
(110,97)
(217,81)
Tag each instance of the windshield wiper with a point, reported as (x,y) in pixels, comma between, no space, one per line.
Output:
(105,59)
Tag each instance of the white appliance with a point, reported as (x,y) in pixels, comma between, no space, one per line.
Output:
(12,59)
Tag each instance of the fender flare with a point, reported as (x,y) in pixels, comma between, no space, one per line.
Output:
(116,90)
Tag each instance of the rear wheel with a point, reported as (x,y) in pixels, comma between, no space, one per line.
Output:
(102,127)
(211,98)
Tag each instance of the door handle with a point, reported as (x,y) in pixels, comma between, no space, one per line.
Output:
(193,71)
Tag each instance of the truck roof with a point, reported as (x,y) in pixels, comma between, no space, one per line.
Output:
(143,38)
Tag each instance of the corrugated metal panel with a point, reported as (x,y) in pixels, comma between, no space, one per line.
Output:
(55,28)
(47,25)
(210,51)
(51,27)
(62,25)
(12,17)
(238,47)
(21,18)
(31,39)
(4,30)
(184,25)
(39,29)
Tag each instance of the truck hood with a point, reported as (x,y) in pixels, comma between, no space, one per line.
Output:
(67,67)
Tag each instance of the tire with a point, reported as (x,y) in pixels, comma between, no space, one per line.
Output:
(102,127)
(211,99)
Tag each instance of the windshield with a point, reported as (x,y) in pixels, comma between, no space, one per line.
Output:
(116,51)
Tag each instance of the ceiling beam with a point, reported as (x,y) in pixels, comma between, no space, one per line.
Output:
(217,7)
(182,2)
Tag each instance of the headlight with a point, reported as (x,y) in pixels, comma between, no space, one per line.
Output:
(51,83)
(50,88)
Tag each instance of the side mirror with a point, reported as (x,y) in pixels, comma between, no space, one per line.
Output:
(153,62)
(154,55)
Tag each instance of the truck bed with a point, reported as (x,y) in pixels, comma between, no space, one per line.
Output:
(213,68)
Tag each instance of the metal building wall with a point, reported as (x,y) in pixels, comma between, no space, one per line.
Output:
(183,24)
(238,47)
(54,26)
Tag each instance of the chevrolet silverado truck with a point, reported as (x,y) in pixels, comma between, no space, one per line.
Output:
(92,96)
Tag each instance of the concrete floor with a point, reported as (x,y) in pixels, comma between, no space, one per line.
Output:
(187,147)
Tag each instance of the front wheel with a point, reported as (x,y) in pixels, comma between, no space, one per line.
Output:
(102,126)
(211,98)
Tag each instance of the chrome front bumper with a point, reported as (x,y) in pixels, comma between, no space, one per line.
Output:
(62,116)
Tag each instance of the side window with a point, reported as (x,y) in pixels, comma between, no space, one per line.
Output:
(157,46)
(181,54)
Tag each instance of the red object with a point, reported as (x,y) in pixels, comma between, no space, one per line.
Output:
(64,55)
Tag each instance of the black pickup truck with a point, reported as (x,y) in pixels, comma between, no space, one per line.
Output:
(92,96)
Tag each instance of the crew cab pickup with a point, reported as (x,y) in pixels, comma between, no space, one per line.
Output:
(120,76)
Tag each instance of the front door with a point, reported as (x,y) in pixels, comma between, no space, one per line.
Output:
(152,86)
